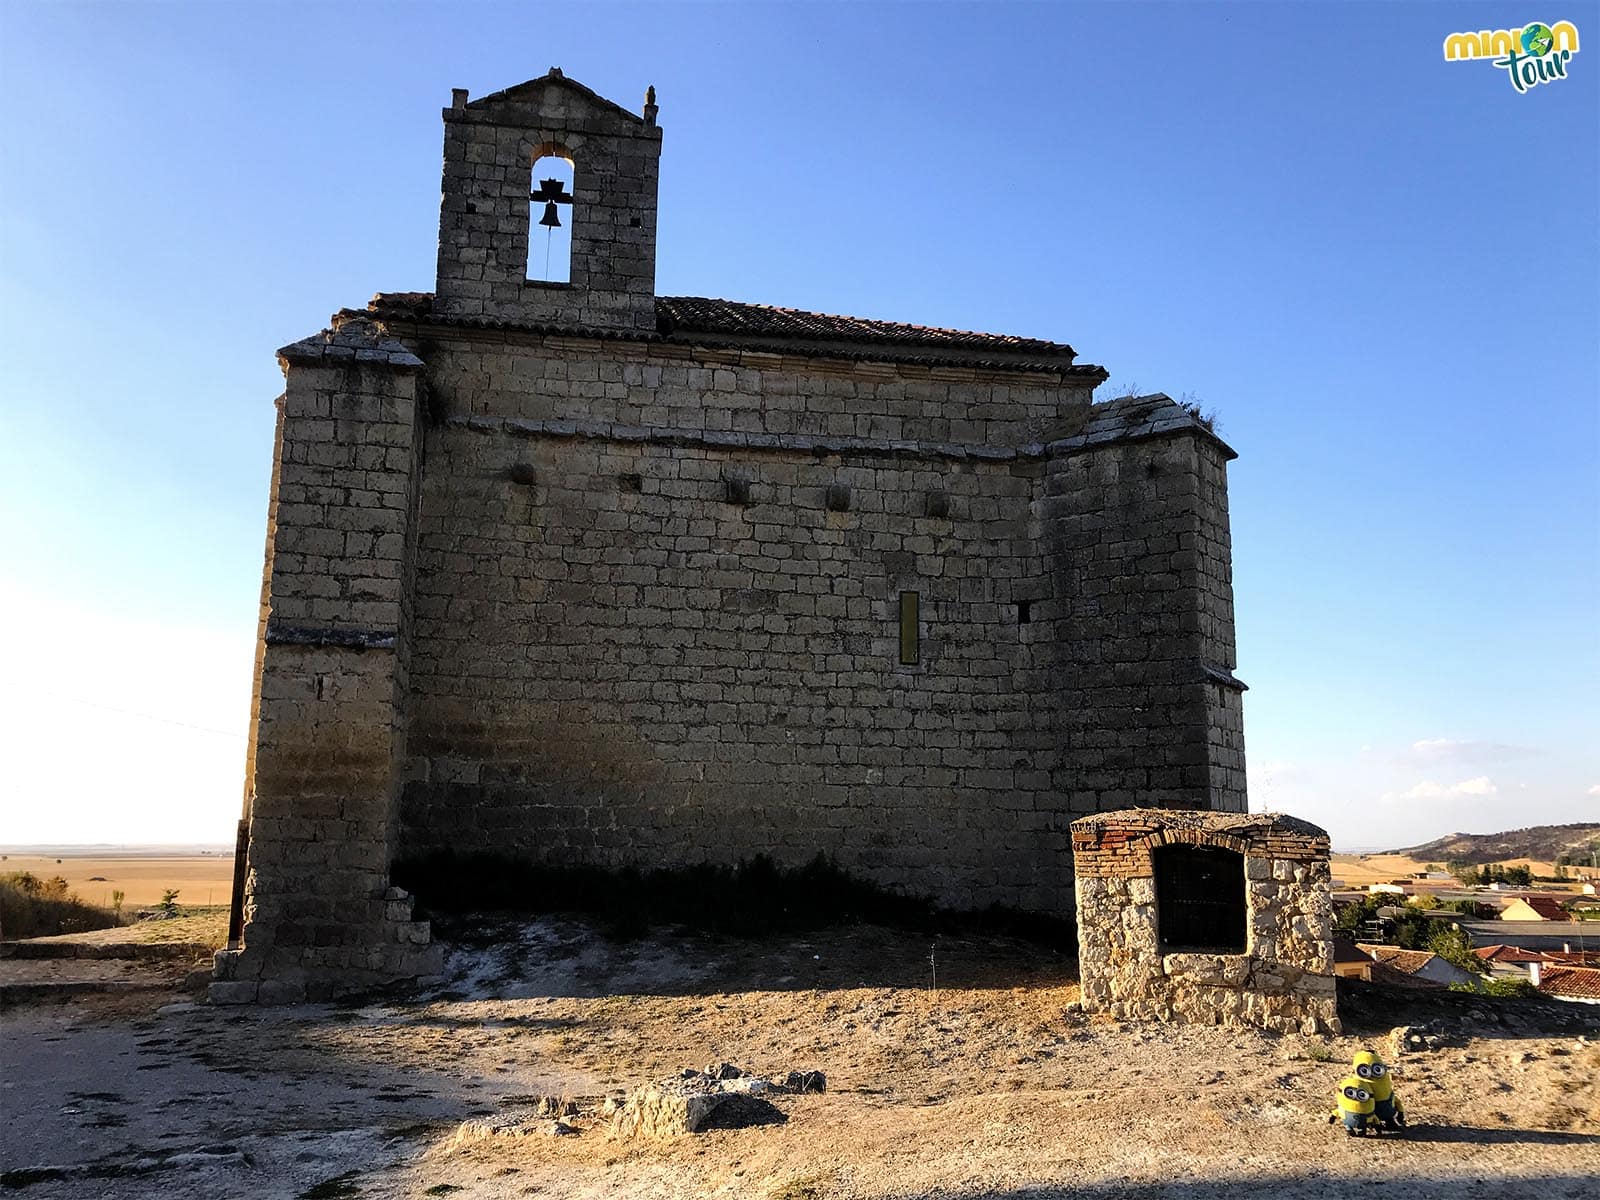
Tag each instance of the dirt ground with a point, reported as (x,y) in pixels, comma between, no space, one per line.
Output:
(991,1086)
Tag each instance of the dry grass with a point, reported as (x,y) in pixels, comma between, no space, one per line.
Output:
(201,880)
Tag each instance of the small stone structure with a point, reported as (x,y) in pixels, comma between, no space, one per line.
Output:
(1206,917)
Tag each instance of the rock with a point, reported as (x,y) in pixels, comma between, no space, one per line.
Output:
(504,1127)
(723,1071)
(805,1081)
(198,980)
(274,991)
(677,1106)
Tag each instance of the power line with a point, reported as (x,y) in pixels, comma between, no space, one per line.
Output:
(143,716)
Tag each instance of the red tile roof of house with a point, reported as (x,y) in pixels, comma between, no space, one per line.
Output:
(1547,907)
(1580,983)
(1384,973)
(1502,953)
(1573,958)
(1407,962)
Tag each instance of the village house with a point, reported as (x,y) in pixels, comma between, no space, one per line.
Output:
(1578,985)
(1417,967)
(1534,908)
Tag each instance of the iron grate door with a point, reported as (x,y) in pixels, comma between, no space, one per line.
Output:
(1200,898)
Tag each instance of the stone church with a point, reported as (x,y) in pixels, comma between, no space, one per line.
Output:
(576,573)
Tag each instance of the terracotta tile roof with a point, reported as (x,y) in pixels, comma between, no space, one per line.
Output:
(1408,962)
(700,320)
(1385,974)
(1510,954)
(1580,983)
(1573,958)
(1547,907)
(701,314)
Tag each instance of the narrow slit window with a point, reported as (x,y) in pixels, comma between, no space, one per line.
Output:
(910,628)
(1024,612)
(550,220)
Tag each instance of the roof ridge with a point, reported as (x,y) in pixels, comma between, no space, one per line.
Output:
(811,312)
(733,324)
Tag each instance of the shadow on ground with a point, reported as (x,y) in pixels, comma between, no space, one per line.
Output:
(1479,1136)
(510,958)
(1323,1187)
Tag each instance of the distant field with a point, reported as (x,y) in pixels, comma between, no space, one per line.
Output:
(1358,870)
(200,880)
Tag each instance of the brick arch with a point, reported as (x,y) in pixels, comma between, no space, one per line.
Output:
(1145,846)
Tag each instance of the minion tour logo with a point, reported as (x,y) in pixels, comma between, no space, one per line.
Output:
(1532,55)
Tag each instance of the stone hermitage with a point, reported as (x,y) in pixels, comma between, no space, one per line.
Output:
(574,573)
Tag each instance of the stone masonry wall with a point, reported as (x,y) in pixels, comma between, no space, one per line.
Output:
(1283,980)
(573,574)
(619,660)
(491,148)
(1130,559)
(319,916)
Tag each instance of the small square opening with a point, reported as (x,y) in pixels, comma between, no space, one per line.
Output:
(1200,904)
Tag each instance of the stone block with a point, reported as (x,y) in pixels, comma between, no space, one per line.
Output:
(232,992)
(274,991)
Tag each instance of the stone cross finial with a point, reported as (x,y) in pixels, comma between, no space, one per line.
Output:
(650,109)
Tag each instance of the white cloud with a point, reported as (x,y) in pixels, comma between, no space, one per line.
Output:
(1429,790)
(1595,790)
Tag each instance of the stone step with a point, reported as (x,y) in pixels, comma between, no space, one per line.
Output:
(37,948)
(48,991)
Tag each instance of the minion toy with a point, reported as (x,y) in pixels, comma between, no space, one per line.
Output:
(1355,1106)
(1376,1078)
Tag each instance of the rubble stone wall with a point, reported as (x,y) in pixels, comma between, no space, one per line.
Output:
(1284,979)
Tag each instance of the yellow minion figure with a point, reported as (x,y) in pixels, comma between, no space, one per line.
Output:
(1376,1078)
(1355,1106)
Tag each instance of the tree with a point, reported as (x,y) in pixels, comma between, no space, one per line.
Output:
(1465,873)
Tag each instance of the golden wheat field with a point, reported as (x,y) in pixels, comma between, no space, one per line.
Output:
(1358,870)
(199,879)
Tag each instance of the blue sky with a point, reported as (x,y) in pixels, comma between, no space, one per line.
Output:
(1378,267)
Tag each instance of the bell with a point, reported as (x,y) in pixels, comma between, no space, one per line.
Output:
(550,218)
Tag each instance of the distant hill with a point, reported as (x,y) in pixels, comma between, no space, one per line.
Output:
(1542,842)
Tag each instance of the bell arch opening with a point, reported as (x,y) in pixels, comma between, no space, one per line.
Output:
(1200,898)
(550,216)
